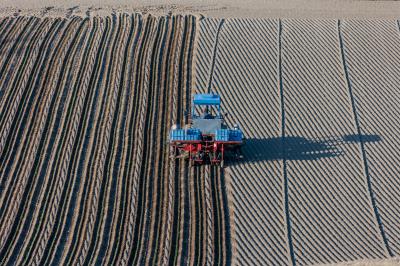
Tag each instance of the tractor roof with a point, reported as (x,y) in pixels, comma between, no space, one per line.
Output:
(206,99)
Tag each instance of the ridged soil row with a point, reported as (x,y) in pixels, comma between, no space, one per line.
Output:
(330,210)
(222,241)
(83,162)
(30,153)
(145,184)
(246,77)
(178,248)
(99,215)
(66,155)
(125,149)
(21,142)
(15,91)
(146,30)
(153,153)
(67,65)
(92,230)
(12,36)
(173,43)
(371,49)
(3,25)
(12,92)
(12,55)
(112,216)
(73,66)
(171,185)
(198,237)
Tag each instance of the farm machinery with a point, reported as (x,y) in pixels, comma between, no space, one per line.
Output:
(206,139)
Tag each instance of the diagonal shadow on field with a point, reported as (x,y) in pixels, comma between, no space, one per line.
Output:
(299,148)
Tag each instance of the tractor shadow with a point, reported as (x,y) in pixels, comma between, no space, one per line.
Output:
(300,148)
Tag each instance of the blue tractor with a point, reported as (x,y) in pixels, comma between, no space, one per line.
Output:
(207,139)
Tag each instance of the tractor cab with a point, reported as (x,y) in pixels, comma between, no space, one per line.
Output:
(206,113)
(207,140)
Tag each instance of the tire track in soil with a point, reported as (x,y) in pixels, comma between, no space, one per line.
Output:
(361,141)
(372,60)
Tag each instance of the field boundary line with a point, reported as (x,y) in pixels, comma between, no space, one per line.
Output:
(362,147)
(283,135)
(398,24)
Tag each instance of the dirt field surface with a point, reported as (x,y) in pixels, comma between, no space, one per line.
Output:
(318,104)
(210,8)
(86,104)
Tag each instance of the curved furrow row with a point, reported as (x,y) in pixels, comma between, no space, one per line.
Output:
(39,114)
(152,34)
(103,131)
(18,82)
(66,124)
(48,140)
(13,57)
(5,25)
(101,225)
(372,50)
(18,167)
(88,133)
(161,193)
(146,28)
(181,223)
(151,164)
(175,117)
(121,228)
(22,80)
(107,251)
(11,36)
(61,83)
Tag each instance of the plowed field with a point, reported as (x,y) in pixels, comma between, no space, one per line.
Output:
(86,175)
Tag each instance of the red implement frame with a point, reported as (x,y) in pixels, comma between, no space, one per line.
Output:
(202,152)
